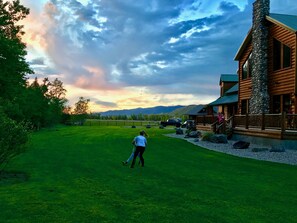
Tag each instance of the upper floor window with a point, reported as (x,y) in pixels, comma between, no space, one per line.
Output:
(281,55)
(247,68)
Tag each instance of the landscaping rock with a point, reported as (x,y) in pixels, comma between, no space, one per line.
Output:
(219,138)
(241,145)
(193,134)
(179,131)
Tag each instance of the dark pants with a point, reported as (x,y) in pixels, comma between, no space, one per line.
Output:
(139,150)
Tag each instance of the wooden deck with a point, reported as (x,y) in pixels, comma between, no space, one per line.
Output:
(267,133)
(274,126)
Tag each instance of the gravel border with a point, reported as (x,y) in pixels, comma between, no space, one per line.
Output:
(287,157)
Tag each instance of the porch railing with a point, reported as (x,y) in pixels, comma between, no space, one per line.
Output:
(280,122)
(206,119)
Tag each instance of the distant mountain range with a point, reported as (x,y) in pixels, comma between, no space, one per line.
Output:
(144,111)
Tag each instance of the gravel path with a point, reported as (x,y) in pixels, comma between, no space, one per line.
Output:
(287,157)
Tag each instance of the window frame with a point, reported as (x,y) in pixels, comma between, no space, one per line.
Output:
(282,55)
(247,68)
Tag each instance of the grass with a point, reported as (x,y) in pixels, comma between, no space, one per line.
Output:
(98,122)
(74,174)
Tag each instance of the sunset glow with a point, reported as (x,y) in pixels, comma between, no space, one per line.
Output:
(128,54)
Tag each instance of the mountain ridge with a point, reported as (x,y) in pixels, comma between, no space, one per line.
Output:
(144,111)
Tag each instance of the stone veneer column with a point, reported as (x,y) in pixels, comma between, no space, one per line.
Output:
(259,102)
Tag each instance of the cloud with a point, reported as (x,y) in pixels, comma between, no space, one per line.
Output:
(105,104)
(168,47)
(37,61)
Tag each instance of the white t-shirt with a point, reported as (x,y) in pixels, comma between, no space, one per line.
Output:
(140,141)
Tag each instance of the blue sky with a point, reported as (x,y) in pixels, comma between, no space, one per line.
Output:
(126,54)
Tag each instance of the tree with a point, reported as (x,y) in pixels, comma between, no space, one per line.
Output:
(81,110)
(13,65)
(13,71)
(13,137)
(42,104)
(82,106)
(55,92)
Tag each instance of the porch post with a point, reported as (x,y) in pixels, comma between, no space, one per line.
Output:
(246,121)
(263,121)
(283,123)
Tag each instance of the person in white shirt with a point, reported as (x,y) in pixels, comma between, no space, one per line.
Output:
(140,142)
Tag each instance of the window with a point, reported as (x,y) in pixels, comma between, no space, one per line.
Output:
(244,107)
(287,56)
(281,103)
(247,68)
(276,104)
(286,102)
(281,55)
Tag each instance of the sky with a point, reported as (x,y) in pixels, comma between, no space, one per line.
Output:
(124,54)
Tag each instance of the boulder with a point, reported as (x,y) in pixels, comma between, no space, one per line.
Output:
(179,131)
(218,138)
(193,134)
(241,145)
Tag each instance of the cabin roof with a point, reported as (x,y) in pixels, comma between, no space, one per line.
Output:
(195,110)
(232,90)
(288,22)
(229,78)
(226,99)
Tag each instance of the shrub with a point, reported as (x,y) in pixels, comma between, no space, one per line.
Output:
(13,137)
(206,136)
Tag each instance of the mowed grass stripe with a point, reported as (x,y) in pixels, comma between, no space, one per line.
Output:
(75,175)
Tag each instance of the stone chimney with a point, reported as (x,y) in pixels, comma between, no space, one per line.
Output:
(259,102)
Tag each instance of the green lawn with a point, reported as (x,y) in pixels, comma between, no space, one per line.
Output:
(74,174)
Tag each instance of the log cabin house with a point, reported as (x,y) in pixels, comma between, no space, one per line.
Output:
(199,110)
(267,72)
(227,103)
(267,76)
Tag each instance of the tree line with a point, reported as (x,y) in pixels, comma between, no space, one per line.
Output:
(25,106)
(136,117)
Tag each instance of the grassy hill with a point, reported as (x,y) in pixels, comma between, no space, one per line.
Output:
(179,112)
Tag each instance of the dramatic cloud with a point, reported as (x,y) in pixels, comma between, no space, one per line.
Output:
(172,50)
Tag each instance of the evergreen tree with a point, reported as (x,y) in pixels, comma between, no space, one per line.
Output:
(13,66)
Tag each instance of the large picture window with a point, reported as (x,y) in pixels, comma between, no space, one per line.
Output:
(281,55)
(247,68)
